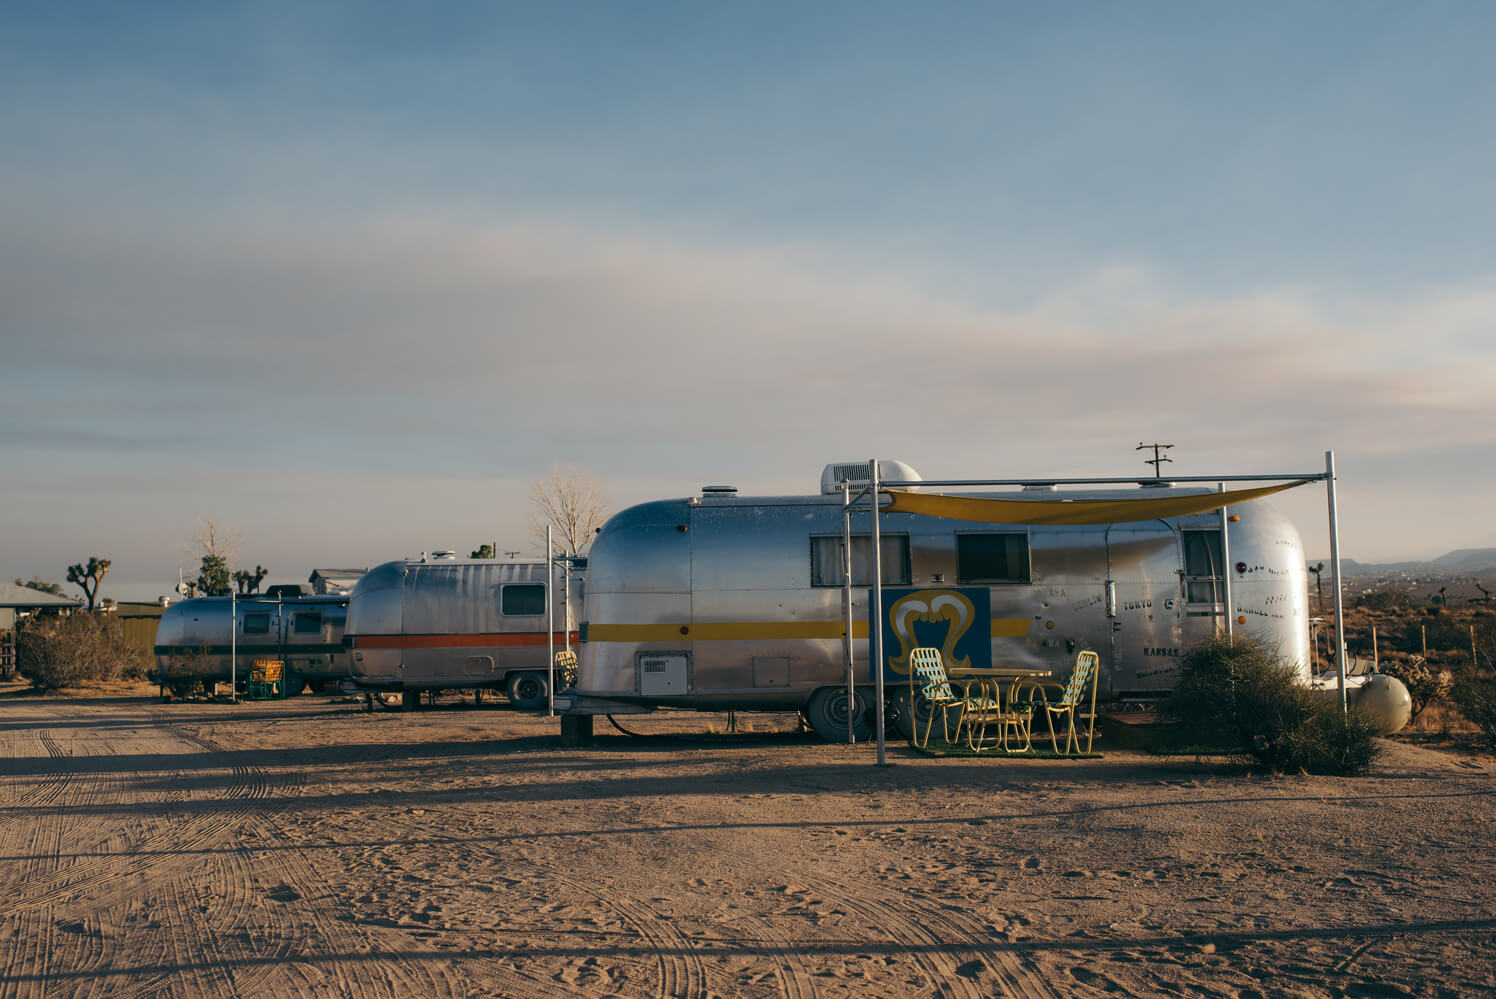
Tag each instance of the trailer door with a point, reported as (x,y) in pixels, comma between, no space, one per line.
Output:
(1143,607)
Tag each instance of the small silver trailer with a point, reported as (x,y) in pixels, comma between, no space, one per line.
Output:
(208,640)
(443,623)
(722,602)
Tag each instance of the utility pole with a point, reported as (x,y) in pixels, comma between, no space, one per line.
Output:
(1158,459)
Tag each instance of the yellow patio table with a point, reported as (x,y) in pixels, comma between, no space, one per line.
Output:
(1013,721)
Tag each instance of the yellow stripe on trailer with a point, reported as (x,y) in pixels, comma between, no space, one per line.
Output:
(744,631)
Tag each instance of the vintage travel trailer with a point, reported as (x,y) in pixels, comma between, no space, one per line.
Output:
(440,623)
(728,602)
(198,641)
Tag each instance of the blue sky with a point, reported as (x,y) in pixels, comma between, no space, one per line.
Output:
(350,277)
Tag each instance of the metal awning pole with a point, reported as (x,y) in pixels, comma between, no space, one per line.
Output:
(1340,664)
(233,646)
(566,604)
(550,628)
(1226,574)
(875,613)
(847,656)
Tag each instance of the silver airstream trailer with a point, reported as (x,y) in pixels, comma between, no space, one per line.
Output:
(444,623)
(198,641)
(724,602)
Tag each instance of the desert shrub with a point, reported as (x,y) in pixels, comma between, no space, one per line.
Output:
(1425,685)
(1475,693)
(1383,600)
(62,652)
(1241,697)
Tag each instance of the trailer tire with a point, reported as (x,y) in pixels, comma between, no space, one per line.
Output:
(410,700)
(292,683)
(527,690)
(827,712)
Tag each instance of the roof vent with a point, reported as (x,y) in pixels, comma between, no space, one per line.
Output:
(719,490)
(856,473)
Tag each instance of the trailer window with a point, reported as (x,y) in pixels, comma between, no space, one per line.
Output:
(992,558)
(308,623)
(1204,567)
(826,560)
(525,600)
(257,624)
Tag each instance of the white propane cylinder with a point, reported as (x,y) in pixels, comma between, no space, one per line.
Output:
(1385,699)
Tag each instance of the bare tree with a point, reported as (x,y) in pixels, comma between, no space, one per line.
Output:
(89,577)
(572,502)
(213,538)
(214,546)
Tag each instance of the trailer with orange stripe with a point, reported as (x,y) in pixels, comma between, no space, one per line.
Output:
(438,623)
(722,602)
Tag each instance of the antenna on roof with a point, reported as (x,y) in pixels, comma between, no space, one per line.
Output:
(1158,459)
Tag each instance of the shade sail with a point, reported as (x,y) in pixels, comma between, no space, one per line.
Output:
(1078,511)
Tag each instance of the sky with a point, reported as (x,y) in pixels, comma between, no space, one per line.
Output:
(347,278)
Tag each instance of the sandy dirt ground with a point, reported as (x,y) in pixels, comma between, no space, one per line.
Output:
(305,848)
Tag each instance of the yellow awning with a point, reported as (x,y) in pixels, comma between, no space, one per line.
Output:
(1079,511)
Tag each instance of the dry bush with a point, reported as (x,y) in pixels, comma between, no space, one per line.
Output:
(1425,685)
(1240,697)
(56,653)
(1475,693)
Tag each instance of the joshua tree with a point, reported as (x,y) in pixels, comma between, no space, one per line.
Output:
(89,577)
(484,551)
(249,582)
(1319,591)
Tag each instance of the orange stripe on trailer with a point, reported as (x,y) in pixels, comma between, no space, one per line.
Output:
(507,640)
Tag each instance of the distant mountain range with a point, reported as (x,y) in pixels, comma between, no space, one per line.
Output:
(1462,561)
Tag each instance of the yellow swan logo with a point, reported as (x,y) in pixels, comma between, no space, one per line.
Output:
(926,606)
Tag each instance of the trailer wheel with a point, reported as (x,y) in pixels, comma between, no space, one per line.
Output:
(292,684)
(410,700)
(527,690)
(828,710)
(907,716)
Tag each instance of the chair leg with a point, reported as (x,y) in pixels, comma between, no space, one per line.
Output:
(976,734)
(929,727)
(1023,725)
(1049,720)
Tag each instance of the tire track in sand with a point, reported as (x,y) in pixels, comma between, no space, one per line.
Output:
(682,973)
(909,922)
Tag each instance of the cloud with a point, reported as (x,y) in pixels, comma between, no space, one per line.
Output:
(418,350)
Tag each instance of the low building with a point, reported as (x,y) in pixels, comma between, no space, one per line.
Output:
(21,601)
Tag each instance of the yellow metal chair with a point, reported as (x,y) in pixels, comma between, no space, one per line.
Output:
(1014,719)
(264,681)
(1073,698)
(977,706)
(566,668)
(930,687)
